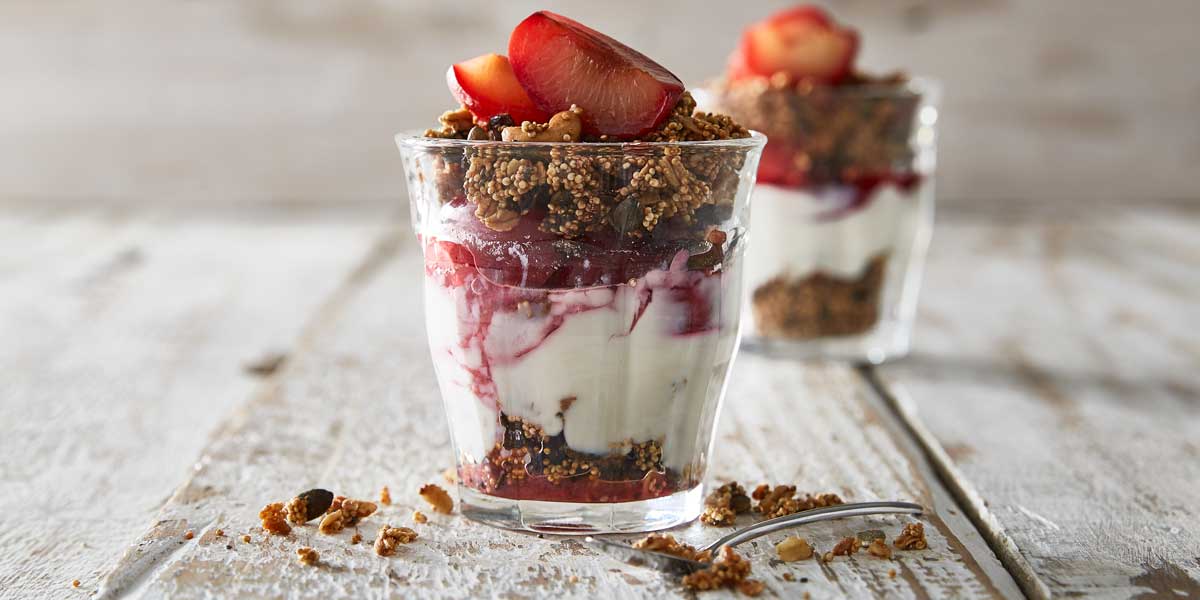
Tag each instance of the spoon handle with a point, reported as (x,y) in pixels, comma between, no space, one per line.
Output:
(814,515)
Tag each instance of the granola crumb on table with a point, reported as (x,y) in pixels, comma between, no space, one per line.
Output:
(274,520)
(333,523)
(846,547)
(879,548)
(308,556)
(385,495)
(667,544)
(419,517)
(390,538)
(718,516)
(781,500)
(437,498)
(728,570)
(912,537)
(356,538)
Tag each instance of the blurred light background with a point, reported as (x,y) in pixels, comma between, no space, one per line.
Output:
(237,102)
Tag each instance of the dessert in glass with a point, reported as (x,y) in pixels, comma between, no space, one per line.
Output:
(583,230)
(844,209)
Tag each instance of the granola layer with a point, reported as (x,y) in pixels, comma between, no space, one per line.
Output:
(820,305)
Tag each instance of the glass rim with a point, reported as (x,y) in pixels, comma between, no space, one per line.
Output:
(926,87)
(417,139)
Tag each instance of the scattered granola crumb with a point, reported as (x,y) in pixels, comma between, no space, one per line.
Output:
(667,544)
(718,516)
(297,510)
(870,535)
(807,596)
(357,538)
(891,573)
(732,496)
(333,523)
(789,577)
(729,570)
(419,517)
(879,548)
(385,495)
(220,533)
(911,538)
(273,519)
(827,557)
(450,474)
(781,500)
(794,548)
(308,556)
(352,511)
(847,546)
(390,538)
(75,583)
(438,498)
(573,579)
(751,587)
(246,539)
(189,534)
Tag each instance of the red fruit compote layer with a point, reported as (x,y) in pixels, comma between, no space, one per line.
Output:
(582,295)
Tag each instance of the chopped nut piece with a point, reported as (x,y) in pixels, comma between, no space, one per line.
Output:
(573,579)
(729,570)
(308,556)
(189,534)
(333,523)
(273,519)
(564,126)
(717,516)
(912,538)
(385,495)
(789,577)
(794,548)
(456,124)
(419,517)
(847,546)
(246,539)
(353,511)
(438,498)
(75,583)
(667,544)
(827,557)
(220,533)
(356,538)
(879,548)
(390,538)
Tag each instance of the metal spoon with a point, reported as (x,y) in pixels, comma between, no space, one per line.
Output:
(675,564)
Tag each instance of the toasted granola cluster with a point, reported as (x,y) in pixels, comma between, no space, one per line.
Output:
(667,544)
(274,519)
(729,570)
(580,192)
(722,506)
(782,500)
(838,132)
(390,538)
(308,556)
(437,498)
(912,537)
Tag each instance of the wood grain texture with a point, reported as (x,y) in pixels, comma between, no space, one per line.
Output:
(1056,377)
(252,101)
(357,408)
(123,343)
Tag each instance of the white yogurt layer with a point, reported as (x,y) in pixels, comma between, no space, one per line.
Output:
(788,237)
(630,382)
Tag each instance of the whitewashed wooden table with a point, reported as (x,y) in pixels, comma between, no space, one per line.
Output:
(1050,415)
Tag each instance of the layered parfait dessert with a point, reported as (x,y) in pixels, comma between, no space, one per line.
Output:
(583,227)
(842,221)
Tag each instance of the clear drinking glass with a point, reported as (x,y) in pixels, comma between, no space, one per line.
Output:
(582,304)
(842,214)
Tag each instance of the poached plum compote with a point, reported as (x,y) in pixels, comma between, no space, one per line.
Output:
(582,279)
(842,222)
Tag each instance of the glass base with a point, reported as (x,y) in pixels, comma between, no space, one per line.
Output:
(579,518)
(886,341)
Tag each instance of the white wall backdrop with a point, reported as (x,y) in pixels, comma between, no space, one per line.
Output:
(239,101)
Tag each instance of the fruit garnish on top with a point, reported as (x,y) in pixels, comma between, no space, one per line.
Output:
(558,68)
(803,42)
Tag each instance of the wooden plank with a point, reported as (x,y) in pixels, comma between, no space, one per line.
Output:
(1055,380)
(358,408)
(298,98)
(123,344)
